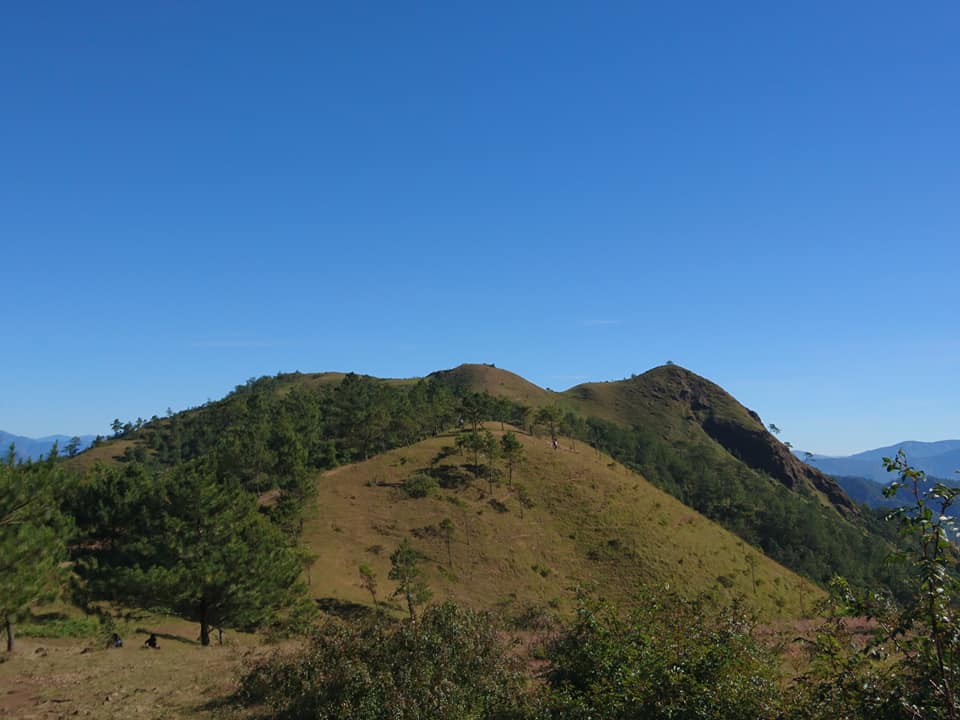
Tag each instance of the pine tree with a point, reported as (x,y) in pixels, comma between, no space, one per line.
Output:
(32,540)
(512,450)
(405,571)
(211,556)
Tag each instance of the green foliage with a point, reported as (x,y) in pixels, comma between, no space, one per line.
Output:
(181,539)
(368,581)
(420,485)
(271,429)
(512,451)
(550,417)
(669,658)
(33,534)
(910,665)
(523,497)
(794,530)
(452,665)
(88,626)
(405,571)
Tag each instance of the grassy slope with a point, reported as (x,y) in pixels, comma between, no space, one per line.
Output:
(678,406)
(593,521)
(502,383)
(660,397)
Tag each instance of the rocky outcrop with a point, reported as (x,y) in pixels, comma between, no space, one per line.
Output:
(760,450)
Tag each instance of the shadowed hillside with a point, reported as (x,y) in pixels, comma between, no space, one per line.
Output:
(682,406)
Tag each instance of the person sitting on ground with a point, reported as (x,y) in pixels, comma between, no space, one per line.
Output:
(151,642)
(115,641)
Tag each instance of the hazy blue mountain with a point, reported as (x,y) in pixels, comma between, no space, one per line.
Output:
(940,459)
(32,448)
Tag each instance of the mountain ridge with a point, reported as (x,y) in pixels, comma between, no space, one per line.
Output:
(939,459)
(27,448)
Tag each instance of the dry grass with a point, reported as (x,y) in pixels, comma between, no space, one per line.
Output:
(594,522)
(70,677)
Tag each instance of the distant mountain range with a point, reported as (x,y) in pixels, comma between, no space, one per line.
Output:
(32,448)
(938,459)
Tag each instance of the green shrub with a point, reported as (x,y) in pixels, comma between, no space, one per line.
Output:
(669,658)
(79,627)
(420,485)
(451,665)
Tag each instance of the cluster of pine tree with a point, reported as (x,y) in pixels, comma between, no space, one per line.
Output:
(204,516)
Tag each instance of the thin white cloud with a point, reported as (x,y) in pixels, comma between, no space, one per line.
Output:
(232,344)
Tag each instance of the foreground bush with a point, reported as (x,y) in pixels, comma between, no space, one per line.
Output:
(909,669)
(670,658)
(450,665)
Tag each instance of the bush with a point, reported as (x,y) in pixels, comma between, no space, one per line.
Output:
(669,658)
(451,665)
(420,485)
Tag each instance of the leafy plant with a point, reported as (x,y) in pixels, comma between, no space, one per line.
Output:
(669,658)
(908,668)
(451,665)
(420,485)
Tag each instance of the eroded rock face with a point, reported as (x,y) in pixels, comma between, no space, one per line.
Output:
(742,433)
(760,450)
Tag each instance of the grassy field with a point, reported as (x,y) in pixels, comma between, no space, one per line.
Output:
(62,677)
(593,522)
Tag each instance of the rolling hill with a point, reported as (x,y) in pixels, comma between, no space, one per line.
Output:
(678,406)
(591,521)
(670,426)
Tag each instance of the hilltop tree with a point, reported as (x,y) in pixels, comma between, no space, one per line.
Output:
(32,539)
(512,450)
(405,571)
(773,428)
(73,447)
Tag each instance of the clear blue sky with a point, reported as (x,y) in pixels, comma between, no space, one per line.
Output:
(195,193)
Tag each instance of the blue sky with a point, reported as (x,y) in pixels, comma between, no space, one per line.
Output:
(192,194)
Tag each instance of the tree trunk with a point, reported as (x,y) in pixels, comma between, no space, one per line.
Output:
(9,627)
(204,625)
(411,607)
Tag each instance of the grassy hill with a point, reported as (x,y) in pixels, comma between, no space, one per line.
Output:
(684,407)
(593,521)
(495,381)
(676,405)
(680,431)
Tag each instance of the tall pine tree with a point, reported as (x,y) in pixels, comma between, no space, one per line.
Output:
(32,539)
